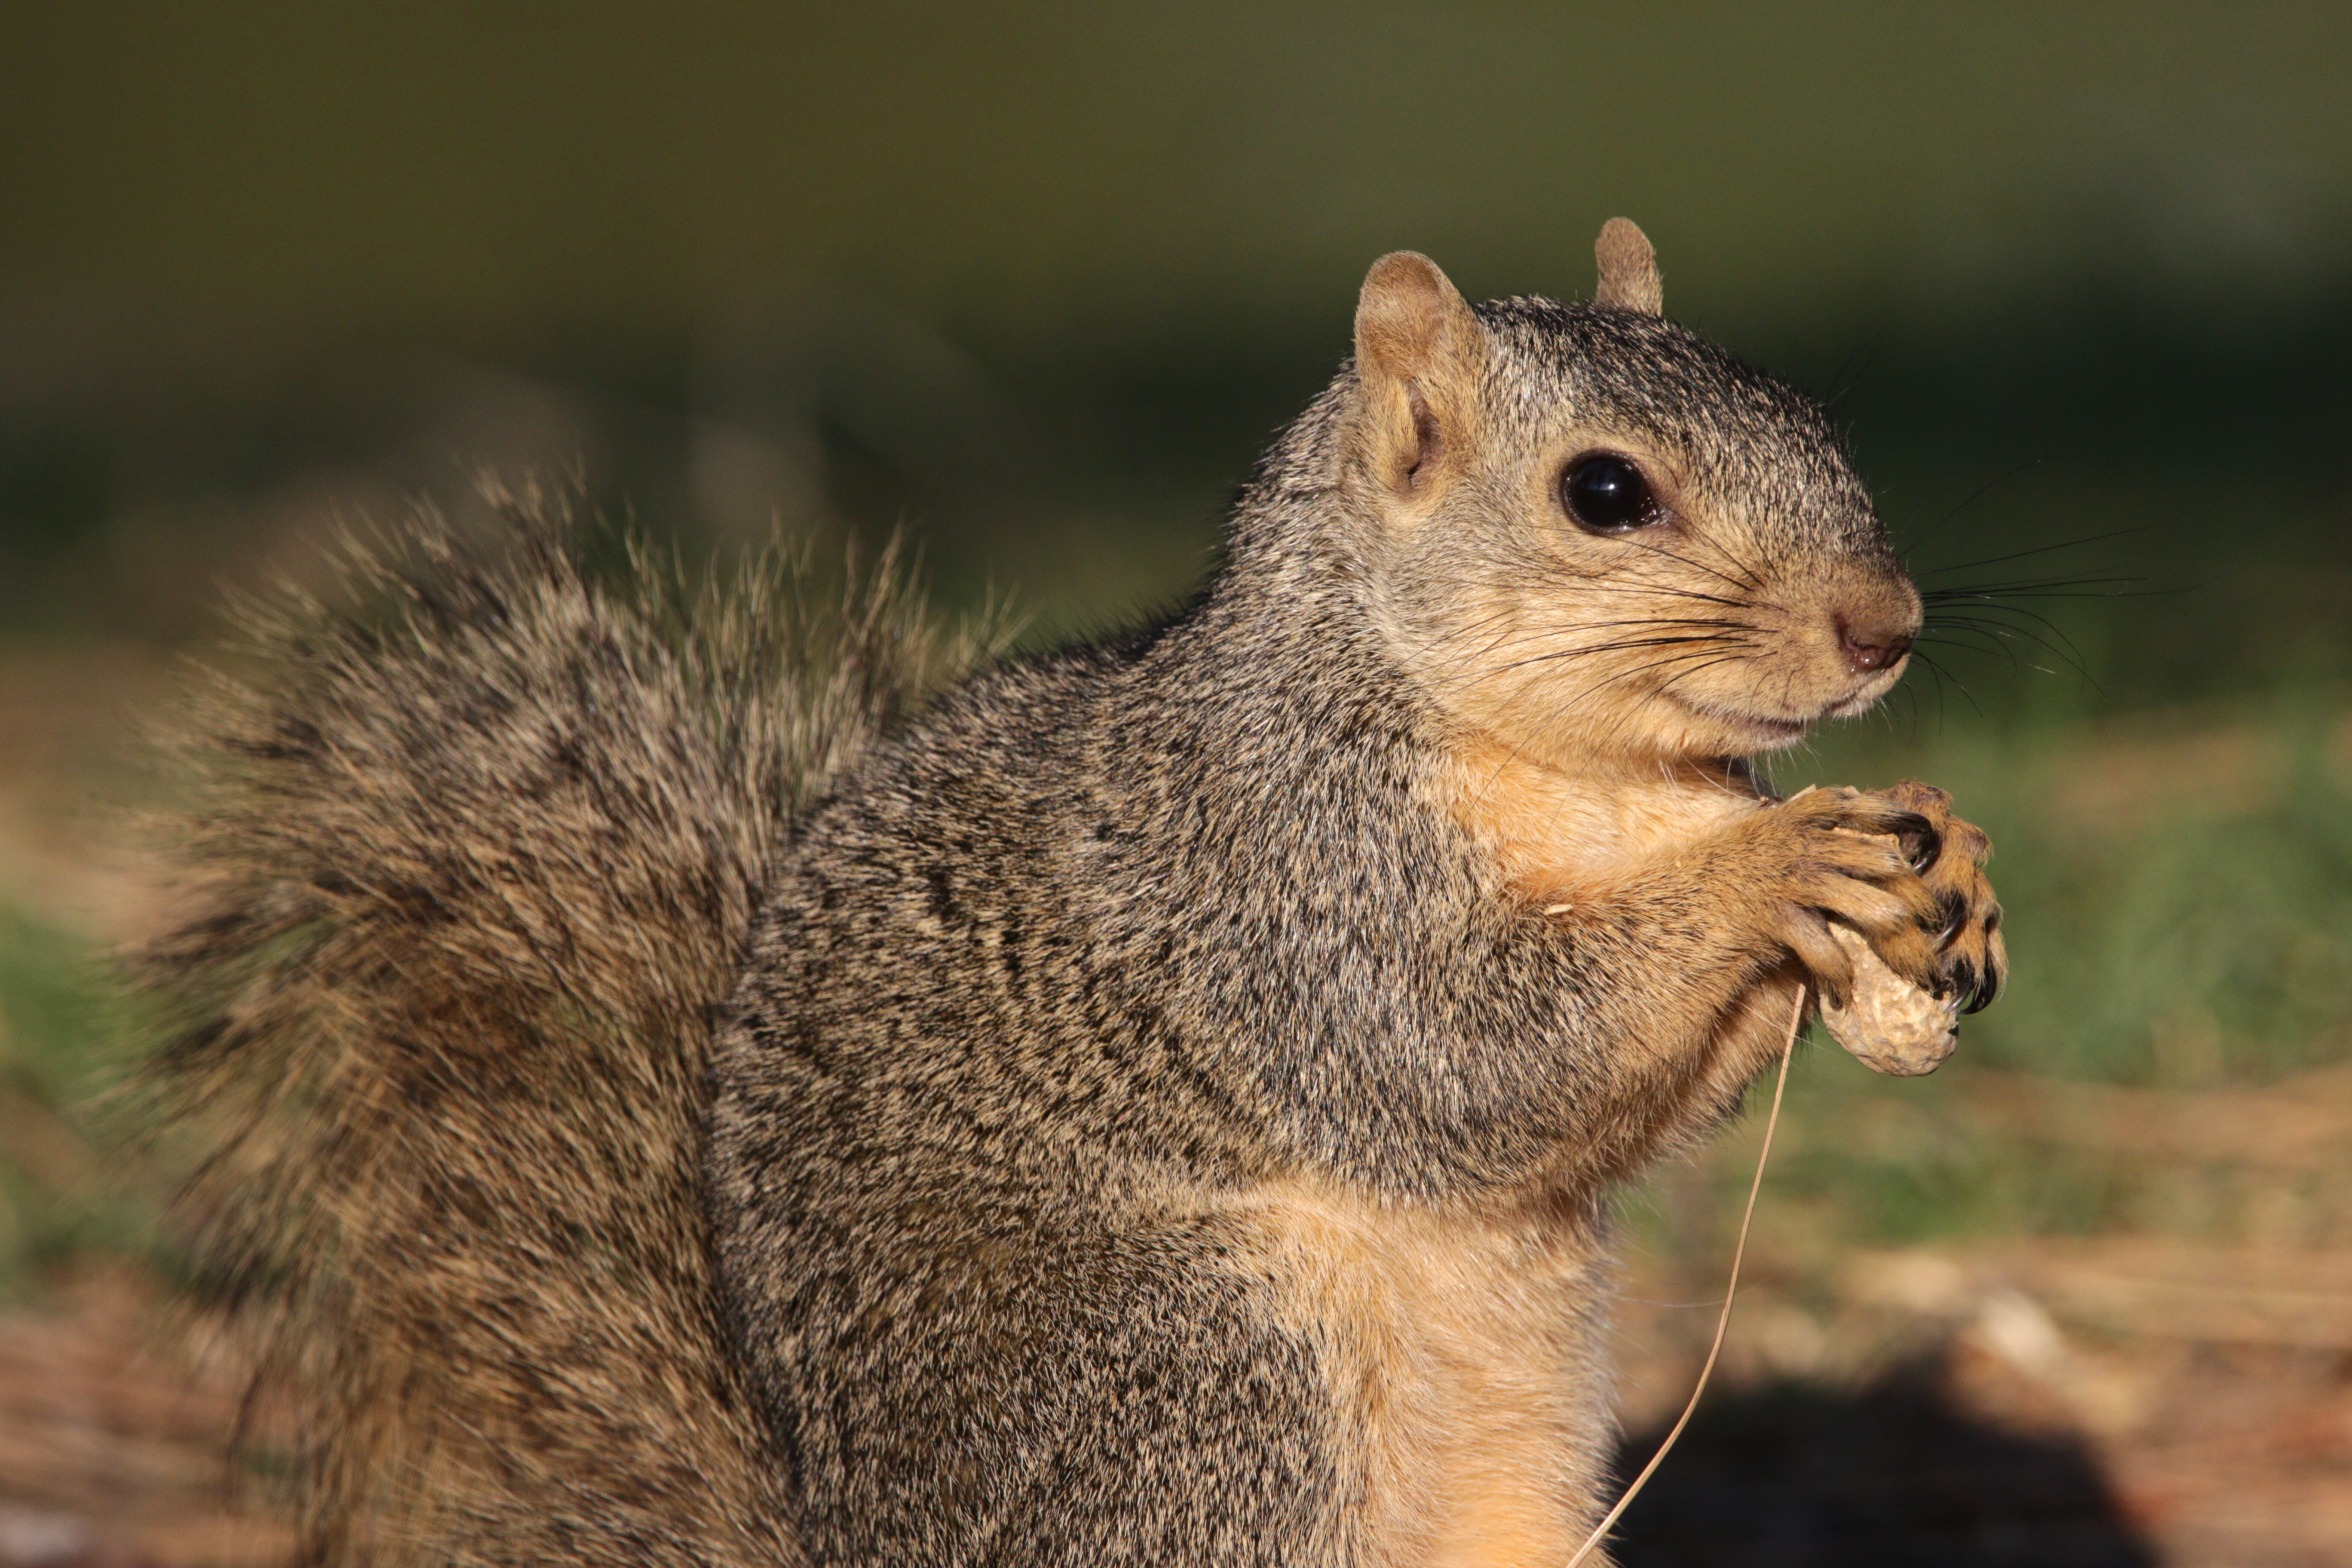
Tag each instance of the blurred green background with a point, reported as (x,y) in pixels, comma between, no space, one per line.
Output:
(1039,280)
(1036,283)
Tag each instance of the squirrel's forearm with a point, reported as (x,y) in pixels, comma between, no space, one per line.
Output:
(1685,998)
(1576,1038)
(1662,954)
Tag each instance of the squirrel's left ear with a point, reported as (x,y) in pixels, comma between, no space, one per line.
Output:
(1411,322)
(1629,269)
(1417,348)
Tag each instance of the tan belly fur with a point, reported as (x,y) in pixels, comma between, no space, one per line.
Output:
(1464,1351)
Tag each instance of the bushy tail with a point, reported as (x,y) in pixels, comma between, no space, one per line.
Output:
(469,869)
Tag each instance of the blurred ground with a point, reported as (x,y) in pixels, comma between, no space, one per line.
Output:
(2160,1373)
(2111,1398)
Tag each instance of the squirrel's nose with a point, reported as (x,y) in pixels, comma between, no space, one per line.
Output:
(1869,647)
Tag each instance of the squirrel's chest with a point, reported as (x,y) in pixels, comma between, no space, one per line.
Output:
(1463,1362)
(1559,837)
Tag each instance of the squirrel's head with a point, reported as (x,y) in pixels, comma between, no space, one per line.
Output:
(1589,531)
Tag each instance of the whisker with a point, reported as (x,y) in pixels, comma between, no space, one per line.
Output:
(2037,588)
(2006,636)
(1612,647)
(1674,593)
(1976,495)
(1982,615)
(1640,669)
(1952,639)
(1683,675)
(2061,648)
(1839,386)
(2045,549)
(1564,710)
(1720,548)
(1935,667)
(1696,566)
(1662,620)
(1452,634)
(1909,692)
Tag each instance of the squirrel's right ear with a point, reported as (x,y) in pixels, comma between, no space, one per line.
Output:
(1629,269)
(1417,346)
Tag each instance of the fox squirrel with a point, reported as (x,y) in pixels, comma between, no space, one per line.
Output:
(718,1077)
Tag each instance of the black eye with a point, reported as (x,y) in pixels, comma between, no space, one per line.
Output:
(1607,494)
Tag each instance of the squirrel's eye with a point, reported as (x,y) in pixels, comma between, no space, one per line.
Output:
(1607,494)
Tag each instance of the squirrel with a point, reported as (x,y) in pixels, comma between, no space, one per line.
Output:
(728,1076)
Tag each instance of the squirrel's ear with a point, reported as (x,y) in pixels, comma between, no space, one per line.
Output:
(1629,269)
(1416,345)
(1410,318)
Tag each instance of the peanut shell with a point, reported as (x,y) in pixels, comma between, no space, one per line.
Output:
(1888,1024)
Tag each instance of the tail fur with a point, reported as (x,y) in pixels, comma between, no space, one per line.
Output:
(468,871)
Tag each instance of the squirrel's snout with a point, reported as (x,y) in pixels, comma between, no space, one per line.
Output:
(1870,646)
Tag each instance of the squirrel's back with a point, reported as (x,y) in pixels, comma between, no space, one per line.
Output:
(470,869)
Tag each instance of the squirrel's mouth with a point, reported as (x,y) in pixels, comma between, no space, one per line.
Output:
(1759,731)
(1861,699)
(1770,731)
(1754,731)
(1865,696)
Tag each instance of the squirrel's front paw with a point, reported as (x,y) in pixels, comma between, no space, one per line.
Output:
(1857,859)
(1972,961)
